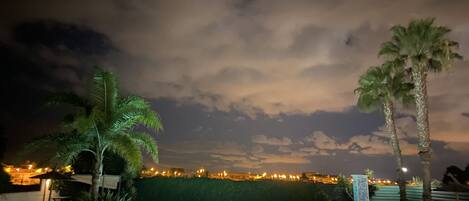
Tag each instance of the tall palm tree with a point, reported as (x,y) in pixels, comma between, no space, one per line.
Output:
(379,88)
(104,122)
(424,47)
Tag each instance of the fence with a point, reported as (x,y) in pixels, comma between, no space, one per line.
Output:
(414,193)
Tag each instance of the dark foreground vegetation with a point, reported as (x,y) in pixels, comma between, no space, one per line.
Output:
(203,189)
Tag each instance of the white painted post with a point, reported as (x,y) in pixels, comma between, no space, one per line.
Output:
(360,188)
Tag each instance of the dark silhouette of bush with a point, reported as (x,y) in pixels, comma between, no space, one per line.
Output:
(456,179)
(5,183)
(461,176)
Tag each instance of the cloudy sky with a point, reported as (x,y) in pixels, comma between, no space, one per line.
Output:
(243,85)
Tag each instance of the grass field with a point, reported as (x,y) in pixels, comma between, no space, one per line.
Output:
(203,189)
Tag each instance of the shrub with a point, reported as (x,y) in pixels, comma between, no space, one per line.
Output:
(436,183)
(417,181)
(104,196)
(343,190)
(5,183)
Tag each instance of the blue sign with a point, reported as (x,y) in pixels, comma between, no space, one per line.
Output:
(360,188)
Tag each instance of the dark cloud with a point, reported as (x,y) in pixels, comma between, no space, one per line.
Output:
(45,57)
(62,36)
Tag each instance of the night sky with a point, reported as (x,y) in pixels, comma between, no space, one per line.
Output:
(252,85)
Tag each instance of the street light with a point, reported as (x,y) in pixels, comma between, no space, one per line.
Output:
(404,169)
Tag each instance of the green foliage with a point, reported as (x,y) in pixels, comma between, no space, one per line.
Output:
(417,181)
(203,189)
(343,191)
(5,183)
(436,183)
(103,121)
(382,84)
(321,196)
(423,44)
(104,196)
(369,173)
(372,188)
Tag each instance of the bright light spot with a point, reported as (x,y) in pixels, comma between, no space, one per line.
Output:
(404,169)
(68,168)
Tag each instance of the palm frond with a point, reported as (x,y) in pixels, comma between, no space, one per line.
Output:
(389,50)
(147,142)
(69,99)
(151,119)
(422,43)
(104,91)
(132,111)
(68,145)
(126,148)
(134,102)
(67,154)
(368,103)
(383,83)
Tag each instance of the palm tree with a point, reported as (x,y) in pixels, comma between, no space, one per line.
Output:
(424,47)
(104,122)
(378,88)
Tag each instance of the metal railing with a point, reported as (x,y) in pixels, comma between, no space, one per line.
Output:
(414,193)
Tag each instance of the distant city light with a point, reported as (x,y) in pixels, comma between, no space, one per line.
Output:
(240,176)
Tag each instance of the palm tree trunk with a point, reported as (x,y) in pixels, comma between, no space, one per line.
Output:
(96,177)
(391,129)
(419,76)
